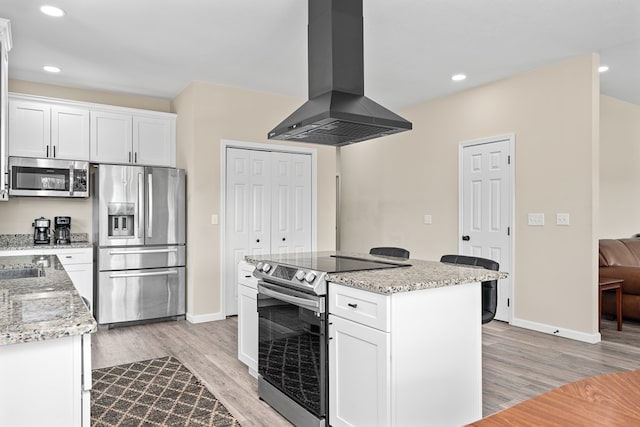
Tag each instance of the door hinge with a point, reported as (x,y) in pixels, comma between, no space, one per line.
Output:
(509,159)
(508,302)
(508,231)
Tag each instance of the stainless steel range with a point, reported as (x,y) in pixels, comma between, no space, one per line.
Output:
(292,331)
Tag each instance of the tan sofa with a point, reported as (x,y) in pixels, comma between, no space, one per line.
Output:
(620,259)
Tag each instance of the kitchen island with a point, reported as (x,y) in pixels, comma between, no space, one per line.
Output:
(45,347)
(404,343)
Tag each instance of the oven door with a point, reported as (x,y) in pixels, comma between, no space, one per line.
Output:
(292,348)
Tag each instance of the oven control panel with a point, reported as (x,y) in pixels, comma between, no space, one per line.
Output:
(291,276)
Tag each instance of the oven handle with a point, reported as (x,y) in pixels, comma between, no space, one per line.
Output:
(301,302)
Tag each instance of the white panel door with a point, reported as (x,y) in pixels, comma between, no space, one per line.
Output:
(486,210)
(248,214)
(291,206)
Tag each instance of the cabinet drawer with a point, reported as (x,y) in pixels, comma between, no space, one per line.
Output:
(367,308)
(75,257)
(245,275)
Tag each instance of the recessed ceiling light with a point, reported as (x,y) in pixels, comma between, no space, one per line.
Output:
(458,77)
(51,69)
(603,68)
(52,11)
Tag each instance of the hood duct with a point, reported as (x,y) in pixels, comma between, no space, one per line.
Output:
(337,112)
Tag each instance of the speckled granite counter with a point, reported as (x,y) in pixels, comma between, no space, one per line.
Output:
(20,242)
(418,274)
(40,308)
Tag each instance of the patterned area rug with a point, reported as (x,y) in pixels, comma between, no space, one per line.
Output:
(157,392)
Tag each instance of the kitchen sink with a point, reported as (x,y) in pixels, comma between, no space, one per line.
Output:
(20,273)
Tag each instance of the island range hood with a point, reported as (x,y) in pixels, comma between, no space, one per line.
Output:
(337,112)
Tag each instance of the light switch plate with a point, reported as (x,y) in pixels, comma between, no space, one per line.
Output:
(214,219)
(562,219)
(536,219)
(427,219)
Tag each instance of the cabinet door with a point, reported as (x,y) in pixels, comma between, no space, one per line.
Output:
(29,128)
(359,374)
(69,133)
(248,327)
(154,141)
(111,137)
(82,277)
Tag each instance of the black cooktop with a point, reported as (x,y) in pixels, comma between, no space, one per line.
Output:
(336,263)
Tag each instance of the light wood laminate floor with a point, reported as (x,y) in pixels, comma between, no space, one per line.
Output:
(517,363)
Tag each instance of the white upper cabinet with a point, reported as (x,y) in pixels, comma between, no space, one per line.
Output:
(111,137)
(132,138)
(154,140)
(69,132)
(54,128)
(47,130)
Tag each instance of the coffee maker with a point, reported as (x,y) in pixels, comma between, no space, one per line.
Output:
(62,233)
(41,232)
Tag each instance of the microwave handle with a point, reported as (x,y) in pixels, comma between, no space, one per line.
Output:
(71,180)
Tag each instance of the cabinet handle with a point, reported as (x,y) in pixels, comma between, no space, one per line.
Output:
(47,151)
(284,239)
(129,156)
(68,256)
(247,277)
(257,240)
(352,305)
(54,151)
(135,157)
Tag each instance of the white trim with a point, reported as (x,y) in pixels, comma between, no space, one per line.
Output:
(227,143)
(511,139)
(202,318)
(91,105)
(557,331)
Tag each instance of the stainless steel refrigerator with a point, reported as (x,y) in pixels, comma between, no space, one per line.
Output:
(139,243)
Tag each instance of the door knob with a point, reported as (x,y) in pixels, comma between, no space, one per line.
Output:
(466,238)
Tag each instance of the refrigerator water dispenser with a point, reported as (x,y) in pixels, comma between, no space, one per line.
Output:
(121,219)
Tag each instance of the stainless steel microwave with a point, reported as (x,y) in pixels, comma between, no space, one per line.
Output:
(48,177)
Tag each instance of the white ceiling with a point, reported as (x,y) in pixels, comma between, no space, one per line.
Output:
(412,47)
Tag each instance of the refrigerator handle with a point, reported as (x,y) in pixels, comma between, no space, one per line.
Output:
(143,274)
(140,204)
(150,206)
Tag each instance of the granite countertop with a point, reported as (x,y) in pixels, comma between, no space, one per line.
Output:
(414,275)
(21,242)
(44,307)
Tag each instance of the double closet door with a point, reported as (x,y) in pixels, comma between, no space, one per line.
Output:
(268,209)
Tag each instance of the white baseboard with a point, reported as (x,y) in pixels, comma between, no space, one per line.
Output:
(201,318)
(557,331)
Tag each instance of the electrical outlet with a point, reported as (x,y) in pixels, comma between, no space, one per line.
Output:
(427,219)
(536,219)
(214,219)
(562,219)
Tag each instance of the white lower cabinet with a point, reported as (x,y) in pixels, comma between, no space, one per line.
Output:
(248,317)
(78,263)
(358,374)
(405,359)
(49,384)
